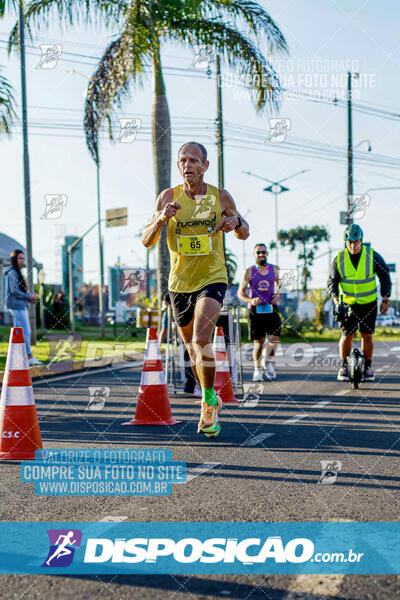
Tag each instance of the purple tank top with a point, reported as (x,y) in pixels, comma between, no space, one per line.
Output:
(262,286)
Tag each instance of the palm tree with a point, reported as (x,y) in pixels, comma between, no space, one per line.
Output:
(231,265)
(7,105)
(318,299)
(146,24)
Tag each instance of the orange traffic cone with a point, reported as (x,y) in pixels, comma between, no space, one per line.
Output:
(152,406)
(223,381)
(19,427)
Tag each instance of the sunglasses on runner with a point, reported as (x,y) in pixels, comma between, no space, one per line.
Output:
(261,252)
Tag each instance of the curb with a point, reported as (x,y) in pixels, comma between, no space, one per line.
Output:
(58,368)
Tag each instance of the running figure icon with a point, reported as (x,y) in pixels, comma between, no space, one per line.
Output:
(62,549)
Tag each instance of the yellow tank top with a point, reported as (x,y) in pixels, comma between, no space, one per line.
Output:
(197,254)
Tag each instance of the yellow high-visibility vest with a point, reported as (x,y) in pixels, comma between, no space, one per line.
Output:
(358,286)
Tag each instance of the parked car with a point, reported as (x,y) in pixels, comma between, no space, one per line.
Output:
(396,321)
(384,321)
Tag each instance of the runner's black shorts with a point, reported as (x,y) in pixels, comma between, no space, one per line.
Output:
(183,304)
(261,325)
(363,317)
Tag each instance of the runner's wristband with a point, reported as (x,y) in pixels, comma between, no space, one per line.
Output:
(240,223)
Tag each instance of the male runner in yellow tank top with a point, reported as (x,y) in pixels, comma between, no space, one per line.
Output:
(196,214)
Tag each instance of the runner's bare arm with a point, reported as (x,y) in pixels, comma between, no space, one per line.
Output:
(165,209)
(277,293)
(242,291)
(230,217)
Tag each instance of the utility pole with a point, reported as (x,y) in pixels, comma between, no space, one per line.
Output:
(220,133)
(101,287)
(147,273)
(350,219)
(27,182)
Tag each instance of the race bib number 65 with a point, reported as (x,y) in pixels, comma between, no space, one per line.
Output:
(194,245)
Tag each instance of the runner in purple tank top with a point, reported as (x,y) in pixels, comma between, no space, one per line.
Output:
(264,320)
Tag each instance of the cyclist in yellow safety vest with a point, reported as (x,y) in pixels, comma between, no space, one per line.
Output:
(354,271)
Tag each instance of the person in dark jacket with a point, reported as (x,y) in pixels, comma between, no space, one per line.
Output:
(18,298)
(354,270)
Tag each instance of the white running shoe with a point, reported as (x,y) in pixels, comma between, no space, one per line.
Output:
(269,370)
(34,361)
(257,375)
(197,391)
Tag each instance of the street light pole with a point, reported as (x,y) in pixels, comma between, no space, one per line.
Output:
(349,149)
(101,256)
(276,188)
(70,248)
(220,133)
(276,226)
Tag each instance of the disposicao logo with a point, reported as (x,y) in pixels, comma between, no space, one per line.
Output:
(190,550)
(62,547)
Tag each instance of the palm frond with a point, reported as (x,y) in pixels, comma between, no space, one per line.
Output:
(7,106)
(121,63)
(39,13)
(258,19)
(239,52)
(7,4)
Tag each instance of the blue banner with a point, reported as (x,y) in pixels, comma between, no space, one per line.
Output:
(207,548)
(103,472)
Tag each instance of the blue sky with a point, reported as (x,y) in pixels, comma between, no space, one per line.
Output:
(325,38)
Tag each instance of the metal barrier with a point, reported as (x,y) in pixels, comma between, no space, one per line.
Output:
(174,356)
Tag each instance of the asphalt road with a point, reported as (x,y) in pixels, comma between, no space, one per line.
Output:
(264,466)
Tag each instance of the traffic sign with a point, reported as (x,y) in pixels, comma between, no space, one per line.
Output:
(117,217)
(345,219)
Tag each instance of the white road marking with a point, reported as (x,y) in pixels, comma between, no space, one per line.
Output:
(322,403)
(257,439)
(295,419)
(112,519)
(196,471)
(342,392)
(314,349)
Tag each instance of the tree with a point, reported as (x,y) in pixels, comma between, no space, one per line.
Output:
(145,25)
(307,240)
(231,265)
(7,100)
(7,105)
(318,299)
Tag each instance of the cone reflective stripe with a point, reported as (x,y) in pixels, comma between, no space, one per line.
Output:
(223,382)
(152,407)
(19,427)
(152,352)
(152,378)
(18,396)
